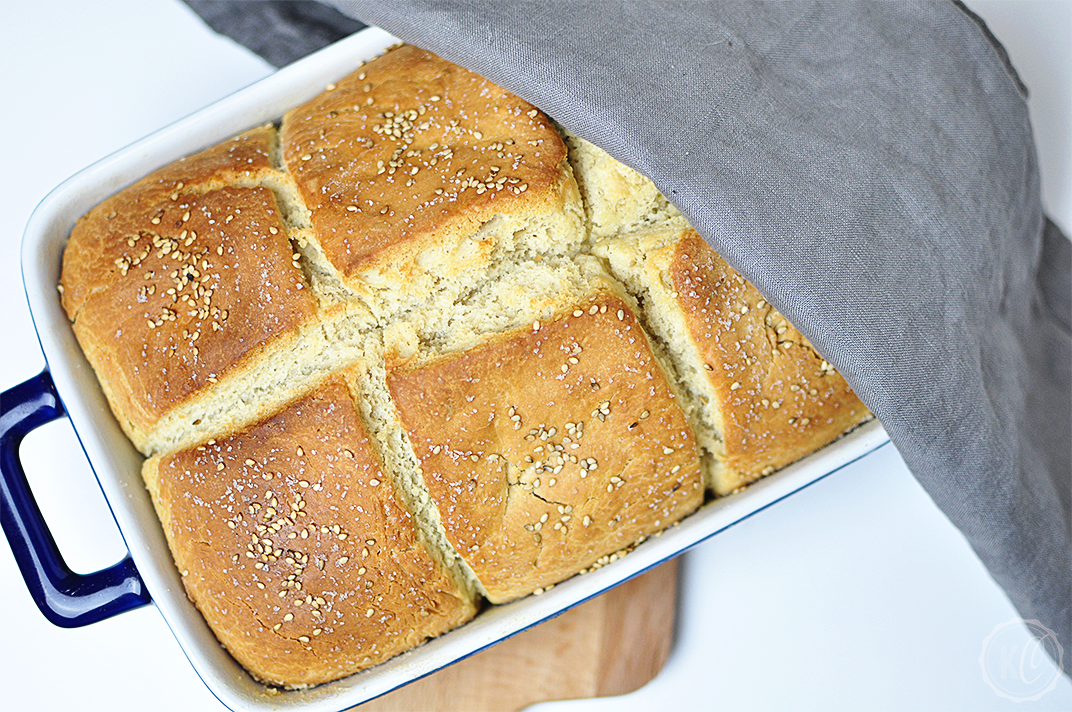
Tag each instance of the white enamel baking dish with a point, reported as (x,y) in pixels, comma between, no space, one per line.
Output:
(69,387)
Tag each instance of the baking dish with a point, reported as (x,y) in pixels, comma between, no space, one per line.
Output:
(69,388)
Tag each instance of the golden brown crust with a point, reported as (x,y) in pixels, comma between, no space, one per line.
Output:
(294,546)
(778,399)
(414,150)
(91,252)
(178,313)
(550,446)
(173,283)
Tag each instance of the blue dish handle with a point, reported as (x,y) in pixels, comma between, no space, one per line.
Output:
(67,599)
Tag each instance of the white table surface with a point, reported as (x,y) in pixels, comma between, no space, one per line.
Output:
(854,594)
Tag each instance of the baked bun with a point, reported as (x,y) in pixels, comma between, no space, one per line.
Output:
(184,280)
(552,444)
(418,176)
(761,396)
(295,546)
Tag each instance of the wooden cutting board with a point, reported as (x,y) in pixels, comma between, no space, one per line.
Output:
(610,645)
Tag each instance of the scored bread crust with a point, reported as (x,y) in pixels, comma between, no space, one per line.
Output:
(296,547)
(549,446)
(174,317)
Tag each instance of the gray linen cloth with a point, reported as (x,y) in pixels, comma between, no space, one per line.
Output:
(871,169)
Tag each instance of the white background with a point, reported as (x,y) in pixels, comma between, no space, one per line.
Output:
(855,594)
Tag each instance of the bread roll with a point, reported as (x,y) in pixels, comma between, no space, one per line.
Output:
(418,176)
(184,280)
(294,545)
(551,444)
(761,397)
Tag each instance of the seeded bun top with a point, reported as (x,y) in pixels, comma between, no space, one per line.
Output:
(776,399)
(549,446)
(292,542)
(412,152)
(182,278)
(762,396)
